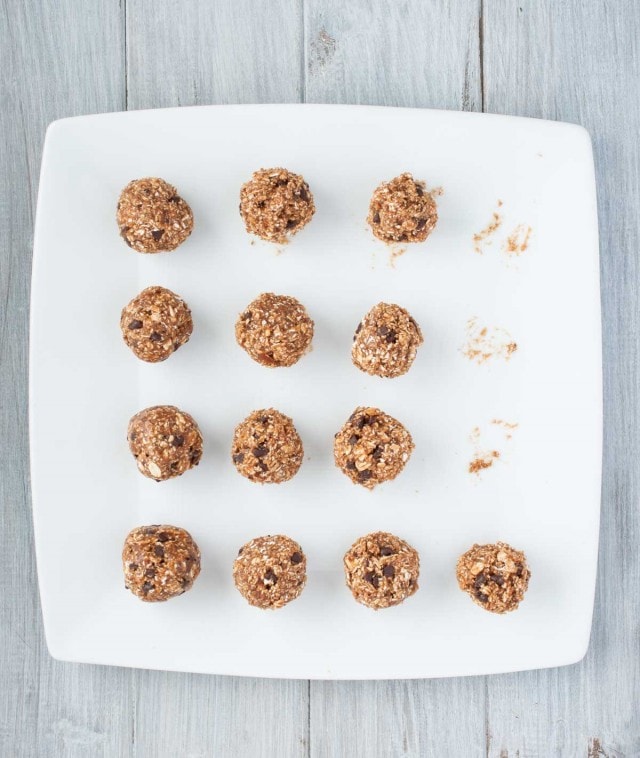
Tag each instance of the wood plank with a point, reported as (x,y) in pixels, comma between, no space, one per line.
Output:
(408,54)
(189,54)
(199,52)
(579,62)
(58,58)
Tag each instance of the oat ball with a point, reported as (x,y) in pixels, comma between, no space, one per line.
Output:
(165,442)
(372,447)
(402,211)
(275,204)
(271,571)
(152,217)
(266,447)
(494,576)
(275,330)
(386,341)
(159,562)
(155,324)
(381,570)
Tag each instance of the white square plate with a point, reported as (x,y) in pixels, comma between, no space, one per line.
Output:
(542,494)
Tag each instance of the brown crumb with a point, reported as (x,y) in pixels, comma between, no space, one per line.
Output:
(483,237)
(518,241)
(484,343)
(482,462)
(394,254)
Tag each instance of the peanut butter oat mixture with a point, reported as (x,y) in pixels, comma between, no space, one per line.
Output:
(152,217)
(386,341)
(381,570)
(159,562)
(496,577)
(266,447)
(402,210)
(271,571)
(165,442)
(275,330)
(372,447)
(275,204)
(155,324)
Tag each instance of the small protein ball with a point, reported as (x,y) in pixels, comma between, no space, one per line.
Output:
(155,324)
(372,447)
(381,570)
(495,576)
(159,562)
(386,341)
(275,330)
(266,447)
(152,217)
(271,571)
(275,204)
(402,211)
(165,442)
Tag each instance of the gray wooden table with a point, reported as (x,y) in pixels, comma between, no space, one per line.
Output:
(573,60)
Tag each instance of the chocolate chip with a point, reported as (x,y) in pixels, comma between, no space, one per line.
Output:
(358,328)
(185,583)
(150,530)
(135,324)
(353,440)
(157,234)
(176,345)
(163,537)
(178,440)
(262,466)
(132,436)
(376,218)
(403,238)
(482,597)
(264,419)
(389,571)
(246,316)
(364,476)
(377,452)
(392,337)
(174,199)
(386,551)
(291,224)
(281,182)
(159,551)
(519,569)
(497,579)
(150,572)
(296,557)
(238,457)
(133,567)
(421,224)
(260,451)
(372,579)
(350,465)
(479,581)
(155,337)
(360,422)
(195,457)
(270,577)
(382,331)
(147,586)
(304,195)
(240,551)
(419,190)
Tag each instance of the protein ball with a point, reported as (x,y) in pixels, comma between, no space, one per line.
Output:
(386,341)
(372,447)
(402,211)
(155,324)
(381,570)
(496,577)
(159,562)
(271,571)
(275,204)
(275,330)
(266,447)
(152,217)
(165,442)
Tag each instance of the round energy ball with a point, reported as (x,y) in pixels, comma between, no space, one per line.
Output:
(275,330)
(266,447)
(275,204)
(386,341)
(402,211)
(159,562)
(155,324)
(165,442)
(152,217)
(372,447)
(496,577)
(271,571)
(381,570)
